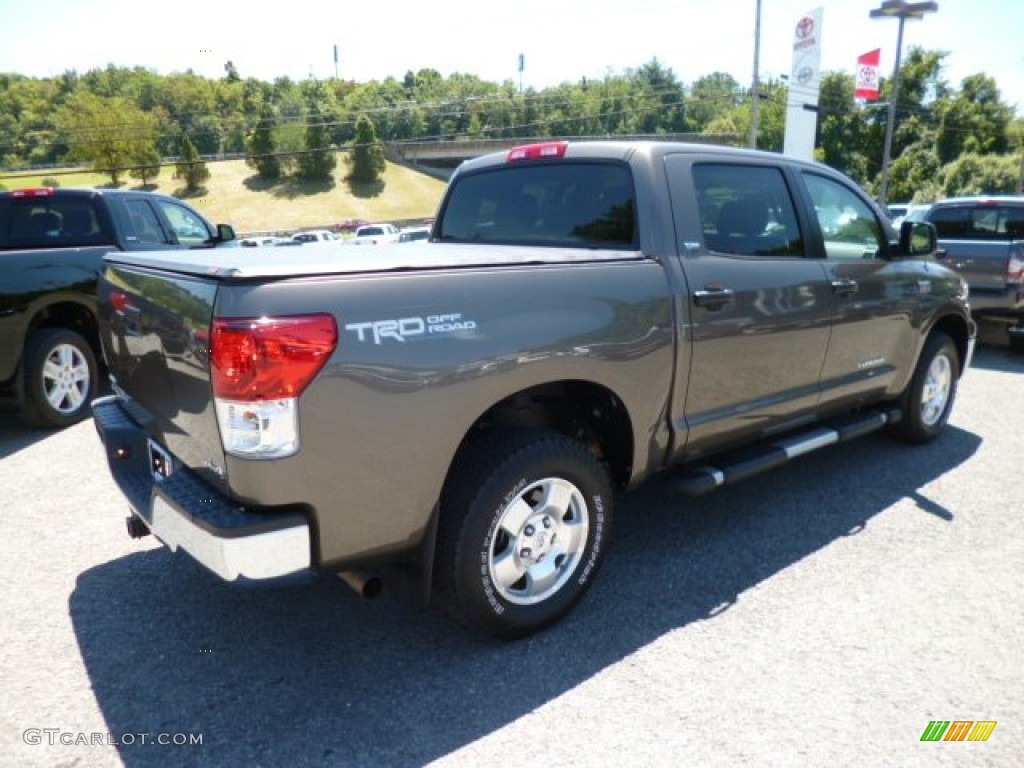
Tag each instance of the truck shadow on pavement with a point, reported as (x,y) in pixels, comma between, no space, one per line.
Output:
(16,436)
(997,358)
(314,675)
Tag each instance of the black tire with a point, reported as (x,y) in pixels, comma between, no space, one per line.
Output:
(1016,341)
(509,563)
(61,378)
(929,397)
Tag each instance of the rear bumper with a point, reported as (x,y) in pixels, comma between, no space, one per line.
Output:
(1008,303)
(184,512)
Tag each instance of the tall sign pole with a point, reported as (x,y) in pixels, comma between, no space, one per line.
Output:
(902,10)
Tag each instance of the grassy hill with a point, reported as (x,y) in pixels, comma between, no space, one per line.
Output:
(234,195)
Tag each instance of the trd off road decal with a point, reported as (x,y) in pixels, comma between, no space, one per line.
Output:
(406,328)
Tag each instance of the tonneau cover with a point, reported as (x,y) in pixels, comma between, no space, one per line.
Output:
(331,258)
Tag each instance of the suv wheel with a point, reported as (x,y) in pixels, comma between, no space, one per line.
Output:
(61,378)
(929,397)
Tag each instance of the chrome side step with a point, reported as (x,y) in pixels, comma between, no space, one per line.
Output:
(745,462)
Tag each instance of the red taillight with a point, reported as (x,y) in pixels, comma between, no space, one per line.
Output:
(37,192)
(119,301)
(543,151)
(1015,265)
(269,358)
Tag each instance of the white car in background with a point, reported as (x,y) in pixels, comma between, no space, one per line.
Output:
(376,234)
(414,235)
(314,236)
(256,241)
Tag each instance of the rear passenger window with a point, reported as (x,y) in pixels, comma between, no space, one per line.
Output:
(574,205)
(51,221)
(983,222)
(746,210)
(849,226)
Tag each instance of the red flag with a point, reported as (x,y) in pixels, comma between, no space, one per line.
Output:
(867,75)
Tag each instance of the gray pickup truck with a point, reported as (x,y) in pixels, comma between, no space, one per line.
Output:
(461,414)
(982,238)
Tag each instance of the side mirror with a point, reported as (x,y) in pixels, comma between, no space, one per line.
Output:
(917,238)
(225,232)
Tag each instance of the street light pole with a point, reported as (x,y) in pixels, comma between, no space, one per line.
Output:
(901,10)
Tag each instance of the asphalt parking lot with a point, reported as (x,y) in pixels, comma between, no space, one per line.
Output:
(821,615)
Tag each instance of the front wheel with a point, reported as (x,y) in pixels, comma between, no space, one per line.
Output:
(61,378)
(525,519)
(929,397)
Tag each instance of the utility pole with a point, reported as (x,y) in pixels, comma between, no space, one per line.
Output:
(755,88)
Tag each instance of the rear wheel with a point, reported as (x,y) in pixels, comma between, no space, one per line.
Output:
(525,518)
(929,397)
(61,378)
(1016,337)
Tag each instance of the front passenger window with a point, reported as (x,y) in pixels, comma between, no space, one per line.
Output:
(848,225)
(188,228)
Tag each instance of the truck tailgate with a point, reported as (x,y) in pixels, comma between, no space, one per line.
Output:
(983,263)
(154,327)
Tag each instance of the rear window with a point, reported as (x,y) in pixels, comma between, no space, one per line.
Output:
(32,222)
(577,205)
(983,222)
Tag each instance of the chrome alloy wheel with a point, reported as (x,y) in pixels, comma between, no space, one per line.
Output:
(66,378)
(938,383)
(539,541)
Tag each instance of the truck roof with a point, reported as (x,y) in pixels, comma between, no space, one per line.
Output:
(611,149)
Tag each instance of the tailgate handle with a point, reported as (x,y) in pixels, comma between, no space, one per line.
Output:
(844,287)
(712,297)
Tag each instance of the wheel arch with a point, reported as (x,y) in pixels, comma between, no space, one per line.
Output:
(958,329)
(75,314)
(583,410)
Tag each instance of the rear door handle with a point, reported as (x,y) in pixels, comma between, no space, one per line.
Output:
(844,287)
(712,298)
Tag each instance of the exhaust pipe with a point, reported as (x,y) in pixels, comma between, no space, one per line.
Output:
(365,585)
(136,528)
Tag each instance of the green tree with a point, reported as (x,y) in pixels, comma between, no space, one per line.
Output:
(974,174)
(975,121)
(108,133)
(317,163)
(712,97)
(262,146)
(915,176)
(366,161)
(146,166)
(190,168)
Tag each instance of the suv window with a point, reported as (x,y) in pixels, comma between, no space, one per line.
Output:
(56,221)
(580,204)
(145,222)
(188,228)
(849,226)
(746,210)
(981,222)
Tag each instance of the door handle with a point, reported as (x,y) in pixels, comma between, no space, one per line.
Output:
(844,287)
(712,298)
